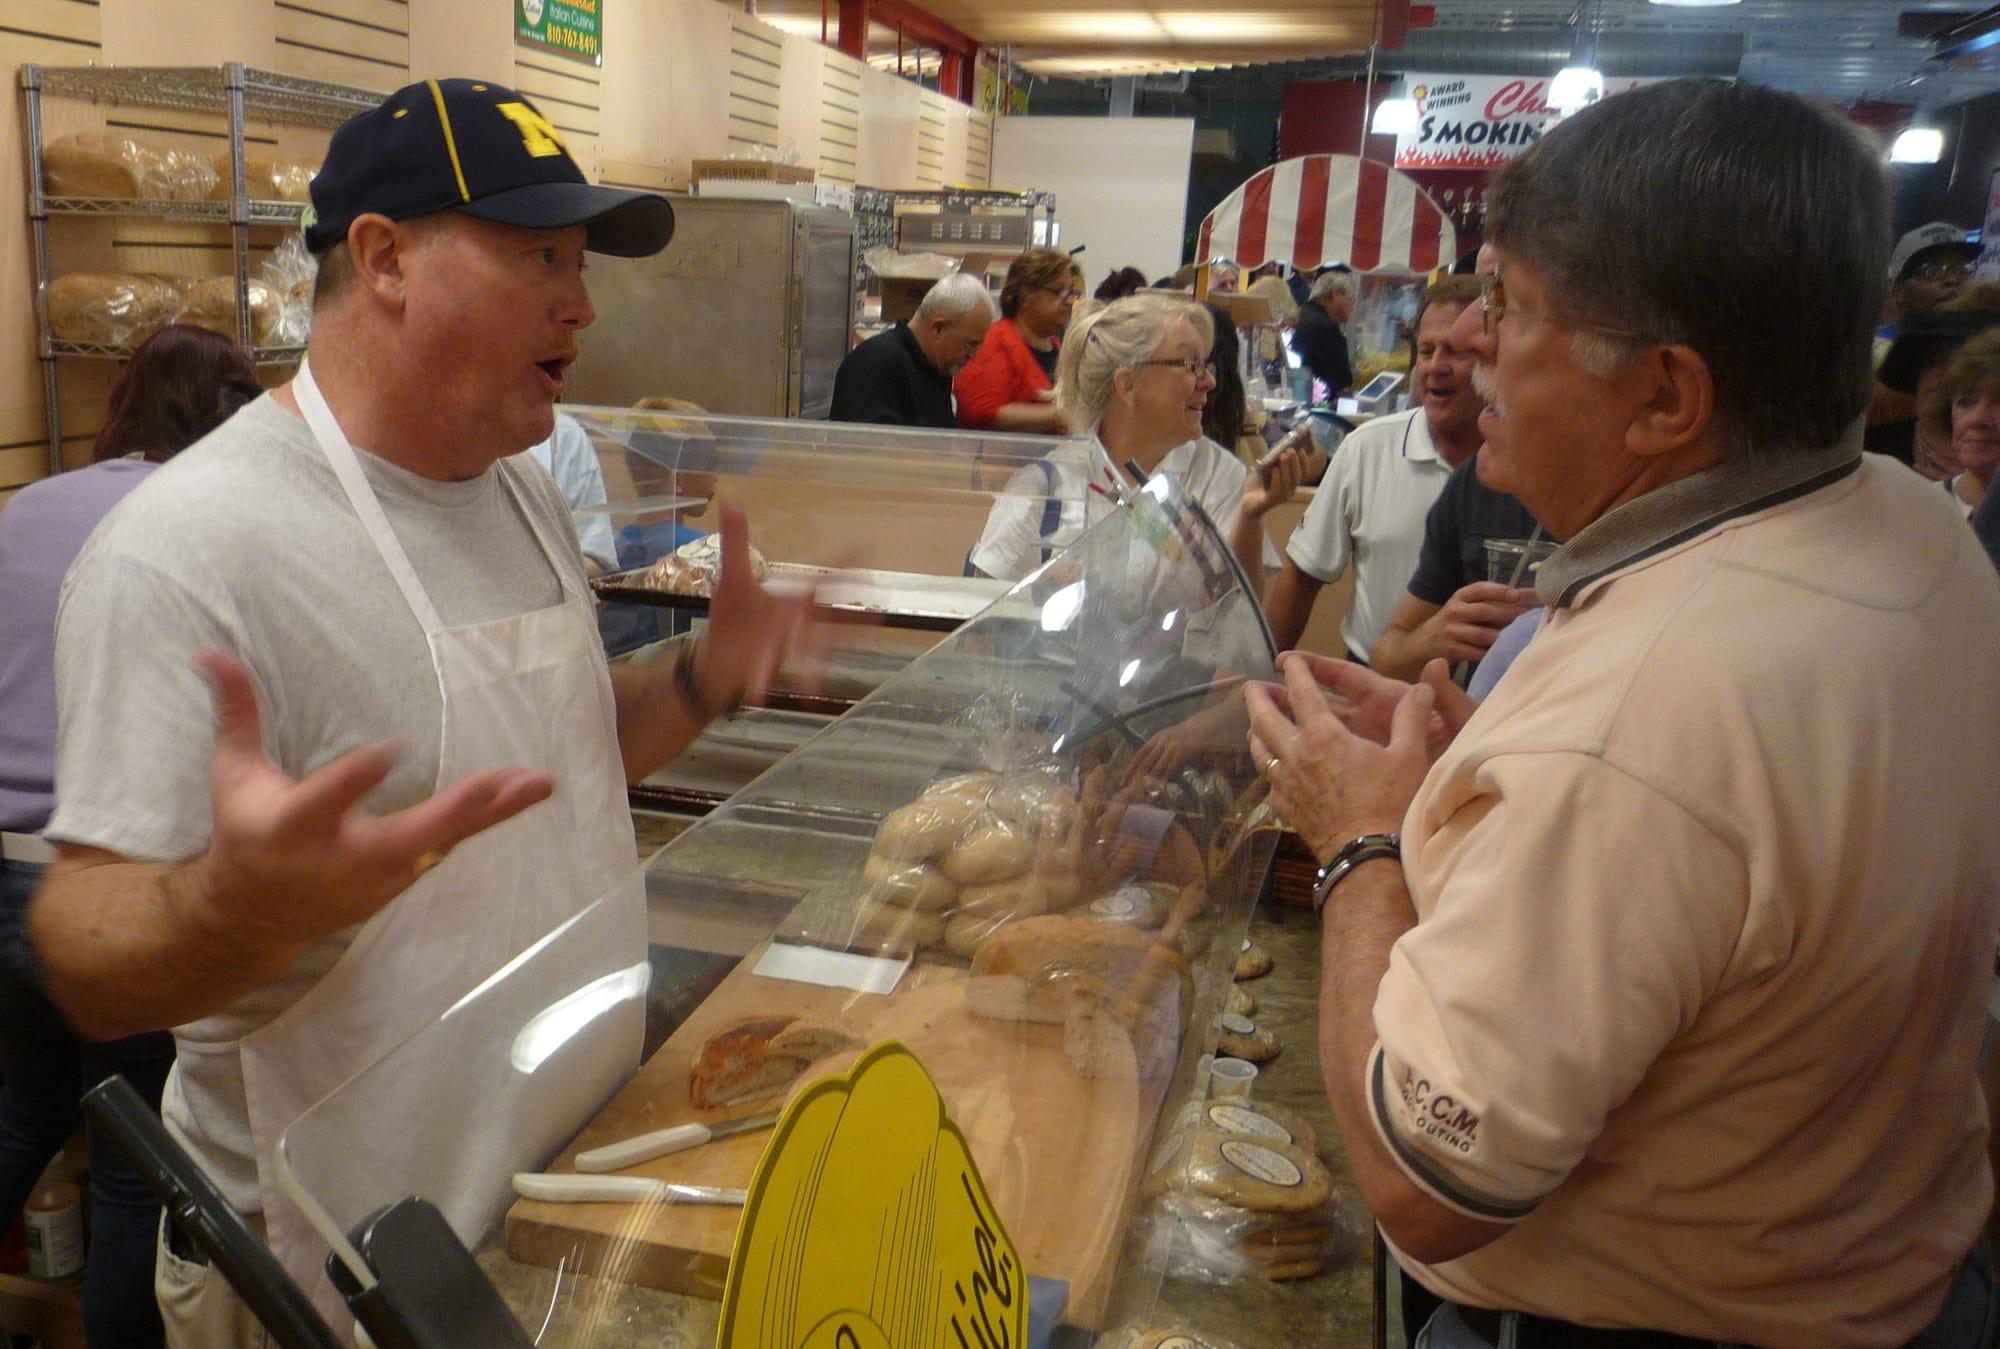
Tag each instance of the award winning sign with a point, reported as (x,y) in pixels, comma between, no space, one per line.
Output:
(572,28)
(1480,121)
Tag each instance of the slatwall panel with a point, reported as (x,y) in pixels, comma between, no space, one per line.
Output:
(754,81)
(358,42)
(50,33)
(567,92)
(933,112)
(979,150)
(839,117)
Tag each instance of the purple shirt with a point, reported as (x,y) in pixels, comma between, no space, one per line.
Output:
(41,531)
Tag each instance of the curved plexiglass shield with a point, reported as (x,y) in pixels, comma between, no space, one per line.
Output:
(1030,858)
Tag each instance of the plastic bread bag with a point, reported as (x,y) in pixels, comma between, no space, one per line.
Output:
(95,164)
(290,273)
(1227,1205)
(176,175)
(111,309)
(1253,1118)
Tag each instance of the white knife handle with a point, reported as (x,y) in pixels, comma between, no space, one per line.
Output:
(568,1189)
(559,1189)
(644,1147)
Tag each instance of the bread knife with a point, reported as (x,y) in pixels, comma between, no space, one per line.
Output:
(567,1189)
(660,1142)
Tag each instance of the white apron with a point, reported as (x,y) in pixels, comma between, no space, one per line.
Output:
(529,691)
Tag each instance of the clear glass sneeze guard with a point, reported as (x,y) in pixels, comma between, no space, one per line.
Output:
(1111,836)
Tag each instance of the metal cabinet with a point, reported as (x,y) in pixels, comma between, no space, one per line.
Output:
(748,311)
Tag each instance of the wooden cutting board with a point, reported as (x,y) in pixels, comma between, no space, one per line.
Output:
(1060,1154)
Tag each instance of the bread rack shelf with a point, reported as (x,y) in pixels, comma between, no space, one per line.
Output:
(233,95)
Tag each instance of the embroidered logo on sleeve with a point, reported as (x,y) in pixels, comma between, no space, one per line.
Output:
(1438,1114)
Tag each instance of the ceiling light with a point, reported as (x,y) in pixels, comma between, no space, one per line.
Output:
(1575,87)
(1918,145)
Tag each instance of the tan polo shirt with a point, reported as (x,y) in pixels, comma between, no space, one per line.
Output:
(1706,900)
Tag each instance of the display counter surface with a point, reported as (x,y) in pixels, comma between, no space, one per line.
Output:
(1333,1308)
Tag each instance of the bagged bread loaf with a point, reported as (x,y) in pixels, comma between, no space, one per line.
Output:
(211,303)
(265,178)
(95,164)
(111,309)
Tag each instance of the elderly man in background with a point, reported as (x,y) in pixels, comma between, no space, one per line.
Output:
(1370,506)
(1319,339)
(1662,1013)
(902,377)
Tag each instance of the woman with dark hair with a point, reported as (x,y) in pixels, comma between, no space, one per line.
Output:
(1125,281)
(1226,415)
(182,383)
(1009,383)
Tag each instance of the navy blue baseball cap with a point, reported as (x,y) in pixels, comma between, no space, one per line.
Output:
(480,148)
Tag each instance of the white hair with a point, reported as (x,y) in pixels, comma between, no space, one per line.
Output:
(1329,282)
(954,297)
(1121,336)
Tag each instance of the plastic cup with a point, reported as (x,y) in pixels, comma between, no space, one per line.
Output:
(1230,1079)
(1514,561)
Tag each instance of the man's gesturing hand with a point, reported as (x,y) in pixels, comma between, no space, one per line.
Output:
(293,861)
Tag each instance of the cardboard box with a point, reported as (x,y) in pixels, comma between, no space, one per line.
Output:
(902,294)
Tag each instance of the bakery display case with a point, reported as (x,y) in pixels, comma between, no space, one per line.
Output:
(134,172)
(1030,857)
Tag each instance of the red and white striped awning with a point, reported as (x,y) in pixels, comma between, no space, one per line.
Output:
(1321,209)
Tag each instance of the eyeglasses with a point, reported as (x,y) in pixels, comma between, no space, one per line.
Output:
(1939,271)
(1193,365)
(1493,307)
(1062,292)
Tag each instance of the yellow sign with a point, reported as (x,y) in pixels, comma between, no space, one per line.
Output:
(868,1226)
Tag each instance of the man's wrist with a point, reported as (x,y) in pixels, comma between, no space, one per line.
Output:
(687,670)
(1382,845)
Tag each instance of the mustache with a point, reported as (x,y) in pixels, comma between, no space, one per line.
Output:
(1482,384)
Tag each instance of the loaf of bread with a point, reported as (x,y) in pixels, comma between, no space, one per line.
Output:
(95,164)
(211,304)
(112,309)
(1252,961)
(914,885)
(1243,1038)
(264,178)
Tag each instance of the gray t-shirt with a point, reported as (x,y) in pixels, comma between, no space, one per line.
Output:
(247,543)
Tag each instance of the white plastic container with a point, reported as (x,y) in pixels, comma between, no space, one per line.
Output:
(54,1219)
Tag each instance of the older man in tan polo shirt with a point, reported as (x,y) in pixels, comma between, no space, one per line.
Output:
(1657,1026)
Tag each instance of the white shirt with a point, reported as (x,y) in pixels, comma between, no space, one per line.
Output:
(1370,510)
(1014,543)
(572,461)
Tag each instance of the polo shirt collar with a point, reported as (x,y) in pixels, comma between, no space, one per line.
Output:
(1669,516)
(1418,444)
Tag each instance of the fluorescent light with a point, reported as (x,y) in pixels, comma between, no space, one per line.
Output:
(1394,117)
(1575,87)
(1918,145)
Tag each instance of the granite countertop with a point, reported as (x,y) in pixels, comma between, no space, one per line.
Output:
(1333,1308)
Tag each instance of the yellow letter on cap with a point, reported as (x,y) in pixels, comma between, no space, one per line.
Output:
(538,137)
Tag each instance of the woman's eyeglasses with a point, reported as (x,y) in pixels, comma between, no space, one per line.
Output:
(1194,365)
(1063,292)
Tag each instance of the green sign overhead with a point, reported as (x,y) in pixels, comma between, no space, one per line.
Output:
(572,28)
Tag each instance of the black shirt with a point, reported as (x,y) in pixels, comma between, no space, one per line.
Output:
(1322,346)
(889,380)
(1466,514)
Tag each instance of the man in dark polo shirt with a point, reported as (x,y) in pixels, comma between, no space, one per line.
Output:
(1450,609)
(902,377)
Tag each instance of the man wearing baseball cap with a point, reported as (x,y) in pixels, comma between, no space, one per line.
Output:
(339,737)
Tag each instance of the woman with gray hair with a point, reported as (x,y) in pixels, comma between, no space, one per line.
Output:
(1133,379)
